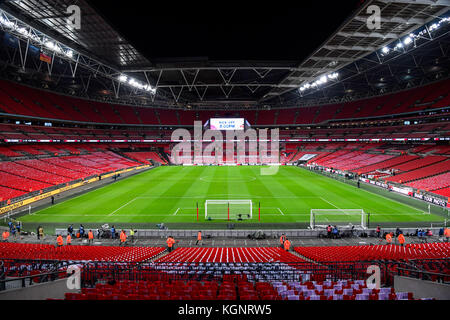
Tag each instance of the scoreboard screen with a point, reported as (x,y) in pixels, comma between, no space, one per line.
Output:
(227,124)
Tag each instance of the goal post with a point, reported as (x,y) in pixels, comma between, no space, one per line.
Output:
(228,209)
(342,218)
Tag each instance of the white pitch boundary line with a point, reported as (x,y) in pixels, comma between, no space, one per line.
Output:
(280,211)
(175,213)
(122,206)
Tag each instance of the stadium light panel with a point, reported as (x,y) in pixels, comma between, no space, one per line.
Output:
(407,40)
(322,80)
(412,37)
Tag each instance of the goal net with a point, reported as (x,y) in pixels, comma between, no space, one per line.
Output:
(342,218)
(228,209)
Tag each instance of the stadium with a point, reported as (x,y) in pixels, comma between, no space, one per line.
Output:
(246,167)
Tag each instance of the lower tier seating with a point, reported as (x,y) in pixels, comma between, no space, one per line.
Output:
(431,170)
(144,157)
(377,252)
(435,182)
(230,255)
(76,253)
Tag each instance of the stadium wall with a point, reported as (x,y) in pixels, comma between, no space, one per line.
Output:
(422,288)
(41,291)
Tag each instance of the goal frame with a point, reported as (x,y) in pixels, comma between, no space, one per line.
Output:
(227,202)
(313,212)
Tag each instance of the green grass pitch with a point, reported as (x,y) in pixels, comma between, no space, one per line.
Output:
(170,194)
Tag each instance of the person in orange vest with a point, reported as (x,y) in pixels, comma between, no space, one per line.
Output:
(282,239)
(287,244)
(447,234)
(69,239)
(170,242)
(389,238)
(59,241)
(401,239)
(199,238)
(123,237)
(5,236)
(90,237)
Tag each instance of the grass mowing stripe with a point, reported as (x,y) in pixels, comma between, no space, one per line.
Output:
(154,196)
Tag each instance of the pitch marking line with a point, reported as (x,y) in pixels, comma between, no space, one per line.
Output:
(333,205)
(280,211)
(122,206)
(176,212)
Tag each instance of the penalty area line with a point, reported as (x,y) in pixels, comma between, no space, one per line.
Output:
(175,213)
(122,206)
(334,205)
(280,211)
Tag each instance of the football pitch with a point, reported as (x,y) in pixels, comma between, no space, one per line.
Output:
(170,195)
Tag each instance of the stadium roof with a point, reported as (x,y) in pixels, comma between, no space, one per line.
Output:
(96,37)
(353,51)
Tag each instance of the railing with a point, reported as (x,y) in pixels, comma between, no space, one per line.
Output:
(215,271)
(424,275)
(94,272)
(16,273)
(26,281)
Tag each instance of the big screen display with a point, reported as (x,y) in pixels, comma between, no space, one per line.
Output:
(226,124)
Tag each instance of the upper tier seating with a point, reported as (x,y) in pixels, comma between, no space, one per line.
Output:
(23,100)
(9,153)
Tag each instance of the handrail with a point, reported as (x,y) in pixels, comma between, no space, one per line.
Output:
(45,277)
(420,274)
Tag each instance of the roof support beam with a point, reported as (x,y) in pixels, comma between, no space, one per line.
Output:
(332,59)
(419,22)
(425,2)
(350,48)
(368,35)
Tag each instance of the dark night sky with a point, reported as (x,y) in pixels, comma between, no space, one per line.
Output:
(226,30)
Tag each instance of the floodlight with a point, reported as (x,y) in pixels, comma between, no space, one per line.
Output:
(123,78)
(407,40)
